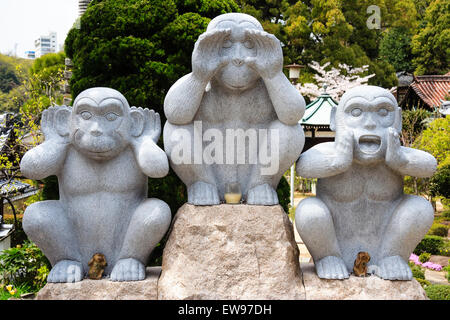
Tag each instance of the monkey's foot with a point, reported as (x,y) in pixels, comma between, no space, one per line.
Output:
(203,194)
(263,194)
(394,268)
(331,267)
(66,271)
(128,270)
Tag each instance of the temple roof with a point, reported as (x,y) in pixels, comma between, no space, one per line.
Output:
(427,91)
(318,112)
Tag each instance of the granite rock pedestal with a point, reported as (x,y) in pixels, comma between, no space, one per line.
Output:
(231,252)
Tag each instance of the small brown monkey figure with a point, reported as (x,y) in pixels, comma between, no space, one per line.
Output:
(360,266)
(96,266)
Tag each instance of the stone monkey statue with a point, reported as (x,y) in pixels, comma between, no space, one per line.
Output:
(236,83)
(102,152)
(360,204)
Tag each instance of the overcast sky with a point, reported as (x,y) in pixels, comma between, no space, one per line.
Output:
(23,21)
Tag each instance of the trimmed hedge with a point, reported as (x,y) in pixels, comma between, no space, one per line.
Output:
(430,244)
(438,229)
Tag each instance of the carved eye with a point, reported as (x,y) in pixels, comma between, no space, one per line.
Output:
(111,116)
(86,115)
(356,112)
(227,43)
(249,44)
(383,112)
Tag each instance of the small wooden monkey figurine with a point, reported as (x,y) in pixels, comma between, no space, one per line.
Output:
(360,266)
(96,266)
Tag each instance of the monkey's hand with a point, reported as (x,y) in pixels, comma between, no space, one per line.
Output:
(52,123)
(205,57)
(344,142)
(269,59)
(151,159)
(395,157)
(152,125)
(327,159)
(48,158)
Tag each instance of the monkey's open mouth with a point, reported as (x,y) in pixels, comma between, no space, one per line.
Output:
(369,143)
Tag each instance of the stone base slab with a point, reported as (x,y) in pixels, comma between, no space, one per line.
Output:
(104,289)
(359,288)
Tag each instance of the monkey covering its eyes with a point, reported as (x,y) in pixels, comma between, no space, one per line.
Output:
(236,90)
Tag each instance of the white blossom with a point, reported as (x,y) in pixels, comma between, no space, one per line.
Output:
(337,81)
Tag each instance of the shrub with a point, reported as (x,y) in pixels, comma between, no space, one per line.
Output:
(417,272)
(430,244)
(424,257)
(24,266)
(440,182)
(424,283)
(284,194)
(438,229)
(438,292)
(447,269)
(445,250)
(446,214)
(18,237)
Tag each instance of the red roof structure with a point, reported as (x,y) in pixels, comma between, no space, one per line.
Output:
(427,92)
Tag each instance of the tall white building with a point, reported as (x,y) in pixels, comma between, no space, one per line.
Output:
(82,6)
(30,54)
(46,44)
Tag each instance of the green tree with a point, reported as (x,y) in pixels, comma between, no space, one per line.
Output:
(325,31)
(440,182)
(431,45)
(8,77)
(436,140)
(45,77)
(395,47)
(421,7)
(12,93)
(413,123)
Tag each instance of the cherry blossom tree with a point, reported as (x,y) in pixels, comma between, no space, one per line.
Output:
(335,80)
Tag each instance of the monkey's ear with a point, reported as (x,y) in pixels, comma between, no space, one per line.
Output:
(91,262)
(398,119)
(333,119)
(137,119)
(62,119)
